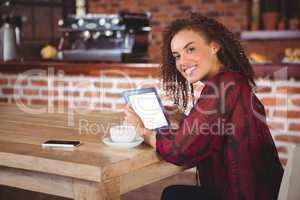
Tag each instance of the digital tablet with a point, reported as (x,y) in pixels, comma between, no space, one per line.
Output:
(147,104)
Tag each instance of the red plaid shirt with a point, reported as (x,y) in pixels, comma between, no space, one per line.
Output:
(225,135)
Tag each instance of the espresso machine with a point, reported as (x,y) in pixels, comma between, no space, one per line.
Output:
(121,37)
(10,34)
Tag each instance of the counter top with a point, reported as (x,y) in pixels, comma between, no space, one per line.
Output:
(83,68)
(133,69)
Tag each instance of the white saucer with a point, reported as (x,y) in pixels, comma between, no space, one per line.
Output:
(123,145)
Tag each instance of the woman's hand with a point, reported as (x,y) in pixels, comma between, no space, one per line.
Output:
(131,118)
(175,116)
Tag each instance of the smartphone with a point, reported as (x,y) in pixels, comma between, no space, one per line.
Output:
(61,143)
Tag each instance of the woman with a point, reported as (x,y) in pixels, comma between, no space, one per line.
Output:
(225,134)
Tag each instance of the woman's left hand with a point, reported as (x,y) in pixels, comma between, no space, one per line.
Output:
(131,118)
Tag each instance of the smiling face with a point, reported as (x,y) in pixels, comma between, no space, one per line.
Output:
(195,58)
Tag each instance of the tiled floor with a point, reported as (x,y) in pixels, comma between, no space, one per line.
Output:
(149,192)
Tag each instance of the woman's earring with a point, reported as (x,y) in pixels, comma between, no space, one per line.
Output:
(215,50)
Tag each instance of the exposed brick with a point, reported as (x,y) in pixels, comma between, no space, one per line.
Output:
(148,85)
(59,103)
(81,83)
(288,90)
(103,85)
(30,92)
(57,83)
(262,89)
(92,94)
(276,125)
(39,83)
(3,81)
(267,101)
(113,95)
(126,85)
(174,1)
(72,93)
(21,100)
(81,103)
(20,82)
(103,105)
(282,149)
(296,102)
(287,114)
(294,127)
(9,91)
(154,9)
(49,93)
(39,102)
(185,8)
(118,74)
(288,138)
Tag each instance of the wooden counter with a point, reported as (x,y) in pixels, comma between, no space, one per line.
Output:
(84,68)
(132,69)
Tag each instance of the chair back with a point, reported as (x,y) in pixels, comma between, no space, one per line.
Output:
(290,184)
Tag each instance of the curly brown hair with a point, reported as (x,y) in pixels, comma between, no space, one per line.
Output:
(231,55)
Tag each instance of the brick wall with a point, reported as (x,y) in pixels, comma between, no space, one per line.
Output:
(280,97)
(96,93)
(233,13)
(282,102)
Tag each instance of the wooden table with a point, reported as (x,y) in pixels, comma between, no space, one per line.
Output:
(91,171)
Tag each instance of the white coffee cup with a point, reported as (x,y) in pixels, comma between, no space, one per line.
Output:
(122,133)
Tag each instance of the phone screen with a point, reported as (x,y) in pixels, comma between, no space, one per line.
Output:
(73,143)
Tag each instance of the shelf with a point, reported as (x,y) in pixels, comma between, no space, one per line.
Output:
(270,35)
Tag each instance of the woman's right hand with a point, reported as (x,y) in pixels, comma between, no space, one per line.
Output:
(175,116)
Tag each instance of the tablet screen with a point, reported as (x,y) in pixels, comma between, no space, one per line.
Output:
(146,103)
